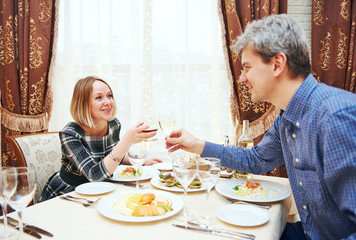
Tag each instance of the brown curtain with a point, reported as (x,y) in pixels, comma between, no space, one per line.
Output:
(27,36)
(234,16)
(333,43)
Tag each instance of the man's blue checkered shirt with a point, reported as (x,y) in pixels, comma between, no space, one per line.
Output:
(315,137)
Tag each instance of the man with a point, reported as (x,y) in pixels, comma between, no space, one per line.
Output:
(314,135)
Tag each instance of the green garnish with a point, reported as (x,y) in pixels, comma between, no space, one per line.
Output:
(160,176)
(236,187)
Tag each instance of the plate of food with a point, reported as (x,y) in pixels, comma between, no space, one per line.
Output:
(167,182)
(95,188)
(253,191)
(242,215)
(127,173)
(140,205)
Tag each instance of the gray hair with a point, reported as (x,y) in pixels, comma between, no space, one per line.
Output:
(277,34)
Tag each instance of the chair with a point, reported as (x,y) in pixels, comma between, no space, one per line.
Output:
(41,151)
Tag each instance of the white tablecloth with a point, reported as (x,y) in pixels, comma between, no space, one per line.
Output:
(69,220)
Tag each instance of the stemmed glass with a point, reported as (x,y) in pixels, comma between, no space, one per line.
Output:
(166,122)
(149,118)
(19,186)
(209,172)
(5,234)
(184,172)
(137,155)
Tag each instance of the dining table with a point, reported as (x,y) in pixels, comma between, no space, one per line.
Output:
(70,220)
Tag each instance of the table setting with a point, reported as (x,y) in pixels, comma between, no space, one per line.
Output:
(203,213)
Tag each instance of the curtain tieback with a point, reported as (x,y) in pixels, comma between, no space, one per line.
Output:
(24,123)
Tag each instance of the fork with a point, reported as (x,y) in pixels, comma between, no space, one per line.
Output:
(244,203)
(78,201)
(80,198)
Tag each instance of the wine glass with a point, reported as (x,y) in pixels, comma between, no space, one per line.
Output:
(149,118)
(137,155)
(209,173)
(184,169)
(19,186)
(3,203)
(166,122)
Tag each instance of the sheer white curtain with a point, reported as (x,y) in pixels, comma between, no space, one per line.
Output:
(164,55)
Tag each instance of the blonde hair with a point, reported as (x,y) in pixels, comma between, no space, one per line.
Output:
(80,104)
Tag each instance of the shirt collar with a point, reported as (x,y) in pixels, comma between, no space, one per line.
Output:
(299,100)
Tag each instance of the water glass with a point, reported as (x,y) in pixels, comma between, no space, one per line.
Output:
(19,186)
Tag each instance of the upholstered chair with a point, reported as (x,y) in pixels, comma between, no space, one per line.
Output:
(41,151)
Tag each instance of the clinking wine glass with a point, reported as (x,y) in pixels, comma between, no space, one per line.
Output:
(209,173)
(184,172)
(137,155)
(147,117)
(19,186)
(6,234)
(166,122)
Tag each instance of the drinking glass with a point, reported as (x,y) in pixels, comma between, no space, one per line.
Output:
(209,174)
(137,155)
(149,118)
(19,186)
(166,122)
(5,234)
(184,172)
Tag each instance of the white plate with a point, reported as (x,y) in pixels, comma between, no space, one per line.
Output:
(276,191)
(164,166)
(242,215)
(106,203)
(148,172)
(95,188)
(156,182)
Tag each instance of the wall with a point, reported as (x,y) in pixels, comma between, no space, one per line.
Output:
(302,11)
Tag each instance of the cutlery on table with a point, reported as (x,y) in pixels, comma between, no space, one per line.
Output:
(252,204)
(78,201)
(203,226)
(25,229)
(80,198)
(215,232)
(32,227)
(242,202)
(130,184)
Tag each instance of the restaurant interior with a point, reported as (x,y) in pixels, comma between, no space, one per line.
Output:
(165,61)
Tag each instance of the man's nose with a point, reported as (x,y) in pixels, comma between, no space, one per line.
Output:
(242,78)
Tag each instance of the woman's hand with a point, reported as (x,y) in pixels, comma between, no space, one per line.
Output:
(135,134)
(152,161)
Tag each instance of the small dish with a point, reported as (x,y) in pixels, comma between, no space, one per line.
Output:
(95,188)
(242,215)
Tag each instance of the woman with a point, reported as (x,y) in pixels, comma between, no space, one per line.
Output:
(91,145)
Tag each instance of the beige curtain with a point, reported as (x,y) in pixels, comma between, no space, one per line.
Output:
(27,37)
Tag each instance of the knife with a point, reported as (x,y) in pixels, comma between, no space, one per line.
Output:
(240,234)
(31,227)
(214,232)
(25,230)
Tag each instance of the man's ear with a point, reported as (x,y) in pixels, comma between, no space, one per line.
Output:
(280,63)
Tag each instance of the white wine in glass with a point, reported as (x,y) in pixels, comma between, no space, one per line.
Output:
(166,122)
(137,155)
(19,189)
